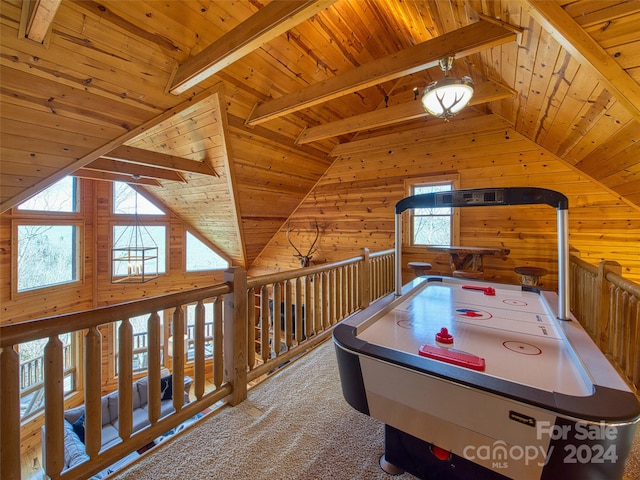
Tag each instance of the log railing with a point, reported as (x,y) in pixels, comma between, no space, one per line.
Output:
(608,307)
(258,325)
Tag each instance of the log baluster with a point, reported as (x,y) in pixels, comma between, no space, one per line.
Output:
(125,379)
(198,350)
(92,391)
(218,364)
(153,366)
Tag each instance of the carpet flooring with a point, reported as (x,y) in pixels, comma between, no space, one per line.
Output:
(296,425)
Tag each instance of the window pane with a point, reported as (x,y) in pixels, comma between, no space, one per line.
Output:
(47,255)
(125,198)
(432,231)
(201,257)
(59,197)
(150,235)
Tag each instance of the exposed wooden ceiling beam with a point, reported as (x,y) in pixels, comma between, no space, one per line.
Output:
(587,51)
(439,130)
(159,160)
(460,43)
(485,92)
(114,177)
(273,20)
(40,18)
(135,170)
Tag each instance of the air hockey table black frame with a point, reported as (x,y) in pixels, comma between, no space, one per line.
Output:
(606,406)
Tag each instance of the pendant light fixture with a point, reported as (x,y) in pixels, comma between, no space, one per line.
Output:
(445,98)
(134,255)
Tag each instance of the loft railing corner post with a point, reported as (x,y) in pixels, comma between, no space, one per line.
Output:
(235,333)
(365,279)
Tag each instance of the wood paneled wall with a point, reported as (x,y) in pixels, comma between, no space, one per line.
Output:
(354,206)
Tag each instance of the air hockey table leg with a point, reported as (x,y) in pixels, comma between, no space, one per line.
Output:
(389,467)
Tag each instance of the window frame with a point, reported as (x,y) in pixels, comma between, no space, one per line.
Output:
(407,221)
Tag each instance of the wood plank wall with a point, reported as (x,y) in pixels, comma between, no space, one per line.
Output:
(354,206)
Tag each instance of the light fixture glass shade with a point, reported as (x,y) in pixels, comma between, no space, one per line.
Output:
(446,97)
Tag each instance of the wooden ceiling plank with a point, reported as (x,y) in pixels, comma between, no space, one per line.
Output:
(159,160)
(271,21)
(485,92)
(117,166)
(461,43)
(41,18)
(611,12)
(107,147)
(440,130)
(576,41)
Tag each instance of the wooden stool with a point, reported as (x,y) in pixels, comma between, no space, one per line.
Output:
(467,274)
(530,275)
(419,268)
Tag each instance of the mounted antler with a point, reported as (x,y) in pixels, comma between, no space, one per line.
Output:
(305,260)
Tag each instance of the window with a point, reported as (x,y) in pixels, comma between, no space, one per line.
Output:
(48,254)
(153,231)
(59,197)
(431,226)
(127,201)
(201,257)
(157,233)
(47,232)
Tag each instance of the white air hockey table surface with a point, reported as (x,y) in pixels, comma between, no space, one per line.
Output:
(515,393)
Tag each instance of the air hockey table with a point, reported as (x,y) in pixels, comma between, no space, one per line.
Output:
(479,380)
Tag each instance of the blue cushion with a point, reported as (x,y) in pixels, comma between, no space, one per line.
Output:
(166,388)
(78,427)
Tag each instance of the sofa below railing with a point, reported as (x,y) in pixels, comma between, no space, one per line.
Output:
(248,342)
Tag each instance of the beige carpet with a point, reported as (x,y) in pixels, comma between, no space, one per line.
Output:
(296,425)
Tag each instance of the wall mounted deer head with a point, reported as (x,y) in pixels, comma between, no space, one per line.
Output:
(305,260)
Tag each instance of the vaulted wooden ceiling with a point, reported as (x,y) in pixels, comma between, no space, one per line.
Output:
(229,112)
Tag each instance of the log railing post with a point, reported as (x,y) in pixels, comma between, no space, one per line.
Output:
(10,413)
(92,393)
(54,407)
(365,279)
(235,334)
(603,292)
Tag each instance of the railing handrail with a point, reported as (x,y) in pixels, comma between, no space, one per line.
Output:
(260,280)
(70,322)
(623,283)
(593,269)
